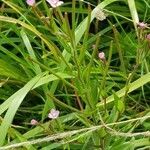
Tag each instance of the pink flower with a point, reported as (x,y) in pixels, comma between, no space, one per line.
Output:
(30,2)
(53,114)
(142,25)
(148,36)
(101,55)
(55,3)
(34,122)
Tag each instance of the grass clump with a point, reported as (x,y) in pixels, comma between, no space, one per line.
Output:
(74,75)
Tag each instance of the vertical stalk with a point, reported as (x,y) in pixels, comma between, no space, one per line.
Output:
(106,65)
(73,15)
(120,51)
(134,14)
(84,46)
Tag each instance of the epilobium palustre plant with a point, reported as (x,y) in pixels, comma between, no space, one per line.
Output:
(86,60)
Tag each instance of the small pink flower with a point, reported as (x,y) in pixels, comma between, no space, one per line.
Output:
(34,122)
(101,55)
(142,25)
(148,36)
(55,3)
(53,114)
(30,2)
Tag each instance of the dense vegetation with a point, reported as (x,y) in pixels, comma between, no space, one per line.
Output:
(74,74)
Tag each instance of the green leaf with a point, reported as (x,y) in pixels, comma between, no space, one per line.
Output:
(49,44)
(21,138)
(119,104)
(43,80)
(10,70)
(3,82)
(15,101)
(82,26)
(134,14)
(30,50)
(132,86)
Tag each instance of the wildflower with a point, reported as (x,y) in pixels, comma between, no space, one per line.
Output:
(148,36)
(55,3)
(99,14)
(30,2)
(34,122)
(142,25)
(101,55)
(53,114)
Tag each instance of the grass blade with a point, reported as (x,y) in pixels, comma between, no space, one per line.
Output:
(133,86)
(16,100)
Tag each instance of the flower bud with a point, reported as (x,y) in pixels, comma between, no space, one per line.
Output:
(142,25)
(34,122)
(101,55)
(30,2)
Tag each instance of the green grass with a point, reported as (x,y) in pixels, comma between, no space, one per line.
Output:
(49,59)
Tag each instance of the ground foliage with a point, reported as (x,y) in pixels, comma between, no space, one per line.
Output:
(89,60)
